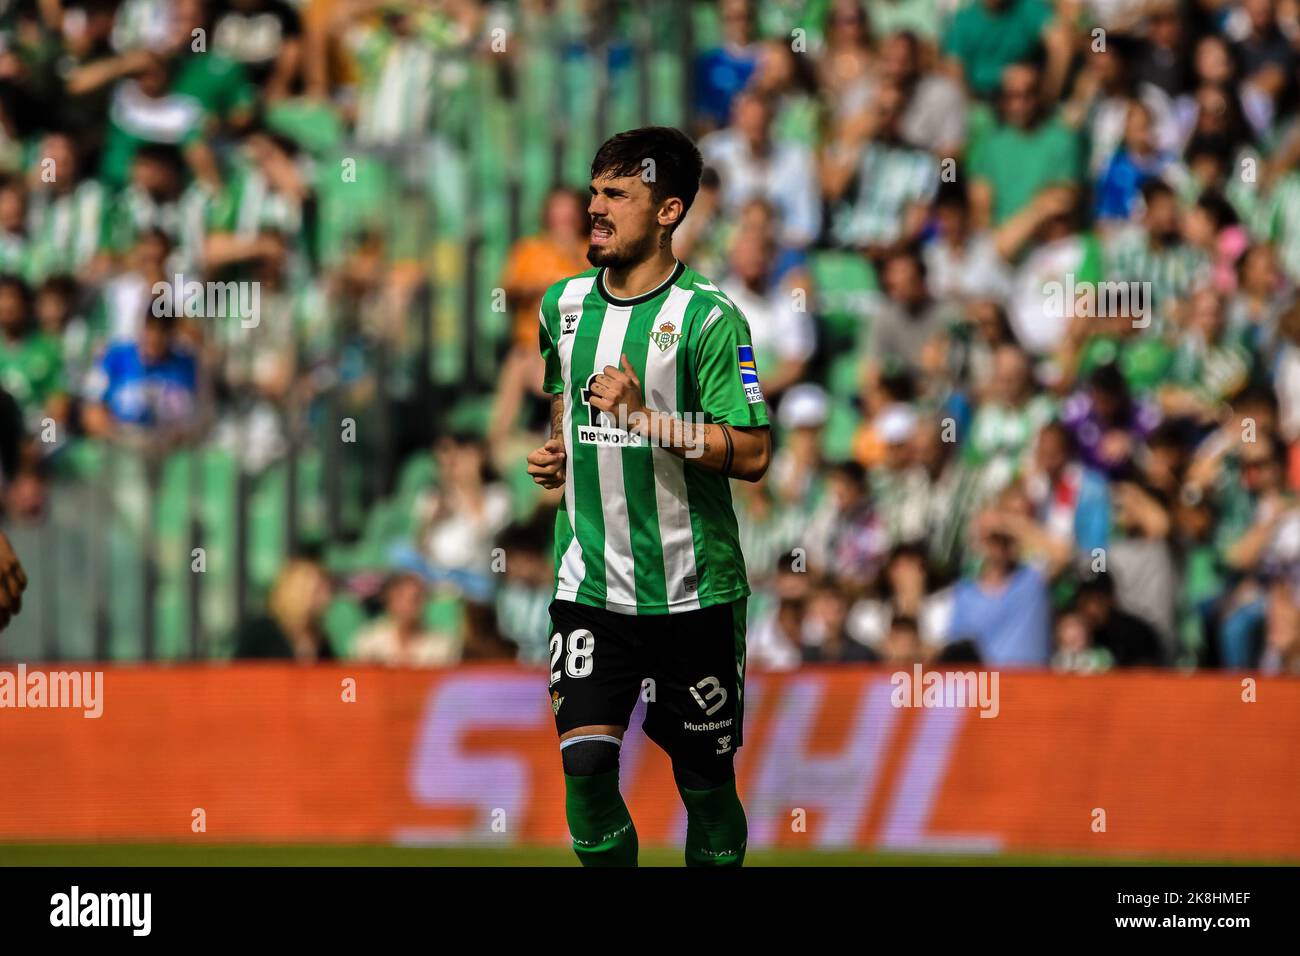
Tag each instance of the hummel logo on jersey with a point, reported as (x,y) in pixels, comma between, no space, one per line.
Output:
(749,373)
(570,322)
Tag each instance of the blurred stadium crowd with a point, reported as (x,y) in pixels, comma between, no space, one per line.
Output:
(916,203)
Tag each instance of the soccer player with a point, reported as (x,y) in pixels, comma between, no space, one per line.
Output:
(656,406)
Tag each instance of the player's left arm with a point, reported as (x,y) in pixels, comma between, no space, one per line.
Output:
(733,450)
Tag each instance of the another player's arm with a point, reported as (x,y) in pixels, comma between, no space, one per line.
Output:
(729,449)
(546,464)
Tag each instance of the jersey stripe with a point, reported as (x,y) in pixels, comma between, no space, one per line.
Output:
(572,570)
(583,462)
(675,533)
(639,484)
(620,574)
(713,317)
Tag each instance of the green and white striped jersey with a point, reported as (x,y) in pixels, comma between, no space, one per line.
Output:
(67,229)
(643,531)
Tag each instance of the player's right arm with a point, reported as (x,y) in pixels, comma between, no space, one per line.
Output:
(546,464)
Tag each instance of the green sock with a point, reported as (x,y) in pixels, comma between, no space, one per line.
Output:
(715,826)
(599,823)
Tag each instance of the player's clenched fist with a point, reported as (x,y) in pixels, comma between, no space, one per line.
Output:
(13,581)
(546,464)
(614,388)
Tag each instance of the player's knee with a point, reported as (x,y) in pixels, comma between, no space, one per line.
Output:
(589,755)
(704,776)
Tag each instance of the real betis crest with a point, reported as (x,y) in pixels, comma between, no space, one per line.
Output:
(665,336)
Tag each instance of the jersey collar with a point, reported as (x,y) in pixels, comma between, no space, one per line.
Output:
(612,299)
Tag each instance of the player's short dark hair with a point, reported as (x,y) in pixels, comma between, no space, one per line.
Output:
(677,162)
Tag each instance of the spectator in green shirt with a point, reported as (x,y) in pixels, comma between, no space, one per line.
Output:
(988,35)
(1024,152)
(218,83)
(146,110)
(31,361)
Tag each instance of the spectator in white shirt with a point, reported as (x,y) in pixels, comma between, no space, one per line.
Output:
(753,165)
(399,638)
(961,263)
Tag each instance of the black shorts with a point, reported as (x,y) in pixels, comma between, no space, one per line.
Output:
(689,667)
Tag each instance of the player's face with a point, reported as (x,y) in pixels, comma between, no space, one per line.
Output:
(624,221)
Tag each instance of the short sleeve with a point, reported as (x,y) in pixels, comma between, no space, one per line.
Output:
(726,371)
(553,378)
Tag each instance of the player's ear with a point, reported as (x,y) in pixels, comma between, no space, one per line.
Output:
(671,212)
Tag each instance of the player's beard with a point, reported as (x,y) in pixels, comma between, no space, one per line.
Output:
(621,258)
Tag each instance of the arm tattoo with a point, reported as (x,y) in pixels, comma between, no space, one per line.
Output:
(731,451)
(557,416)
(697,436)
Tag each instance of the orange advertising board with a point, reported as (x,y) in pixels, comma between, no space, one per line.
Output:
(1142,765)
